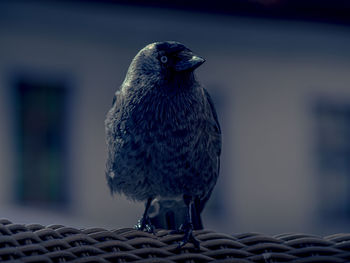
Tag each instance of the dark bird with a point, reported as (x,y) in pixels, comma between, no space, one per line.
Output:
(163,134)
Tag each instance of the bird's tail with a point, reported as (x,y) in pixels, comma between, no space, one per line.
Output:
(170,214)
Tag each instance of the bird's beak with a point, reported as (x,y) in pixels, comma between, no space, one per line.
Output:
(188,61)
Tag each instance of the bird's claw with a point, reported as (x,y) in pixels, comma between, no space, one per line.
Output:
(187,230)
(144,224)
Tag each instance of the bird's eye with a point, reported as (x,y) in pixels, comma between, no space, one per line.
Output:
(164,59)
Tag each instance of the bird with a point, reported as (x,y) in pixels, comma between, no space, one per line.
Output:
(163,135)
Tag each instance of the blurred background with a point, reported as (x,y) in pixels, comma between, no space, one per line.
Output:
(278,71)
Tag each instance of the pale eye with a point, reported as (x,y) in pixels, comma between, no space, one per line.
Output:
(164,59)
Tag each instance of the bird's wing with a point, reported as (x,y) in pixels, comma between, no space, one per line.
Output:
(200,203)
(216,124)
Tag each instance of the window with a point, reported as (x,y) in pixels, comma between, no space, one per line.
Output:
(333,158)
(40,136)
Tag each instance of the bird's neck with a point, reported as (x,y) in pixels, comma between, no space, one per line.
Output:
(178,82)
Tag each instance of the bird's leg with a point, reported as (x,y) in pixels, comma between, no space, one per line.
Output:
(145,223)
(187,226)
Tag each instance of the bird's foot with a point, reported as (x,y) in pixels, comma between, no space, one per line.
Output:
(187,230)
(144,224)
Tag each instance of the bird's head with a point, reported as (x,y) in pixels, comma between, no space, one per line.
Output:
(162,63)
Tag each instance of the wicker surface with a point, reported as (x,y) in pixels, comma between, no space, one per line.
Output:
(57,243)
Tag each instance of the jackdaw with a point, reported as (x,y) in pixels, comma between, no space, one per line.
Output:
(163,134)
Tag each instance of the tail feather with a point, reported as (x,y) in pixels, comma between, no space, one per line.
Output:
(170,214)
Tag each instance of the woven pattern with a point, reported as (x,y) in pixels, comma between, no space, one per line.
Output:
(57,243)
